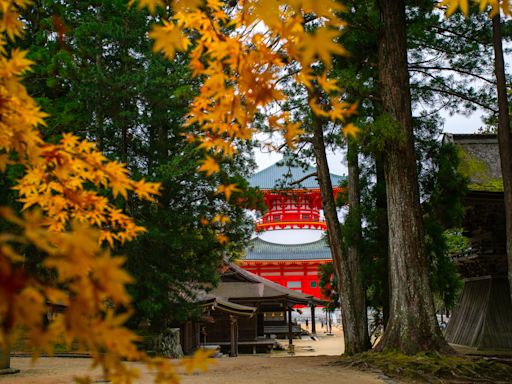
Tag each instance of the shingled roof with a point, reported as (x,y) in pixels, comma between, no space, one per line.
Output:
(281,174)
(479,160)
(264,250)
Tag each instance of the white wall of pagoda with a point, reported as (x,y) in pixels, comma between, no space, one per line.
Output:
(291,236)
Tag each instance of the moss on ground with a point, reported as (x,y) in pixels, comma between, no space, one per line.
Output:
(434,368)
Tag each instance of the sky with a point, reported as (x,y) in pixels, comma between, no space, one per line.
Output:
(453,124)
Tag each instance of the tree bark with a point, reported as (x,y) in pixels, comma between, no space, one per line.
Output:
(355,328)
(382,235)
(354,243)
(412,326)
(504,135)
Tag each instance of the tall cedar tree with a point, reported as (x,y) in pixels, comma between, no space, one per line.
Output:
(346,265)
(504,135)
(412,325)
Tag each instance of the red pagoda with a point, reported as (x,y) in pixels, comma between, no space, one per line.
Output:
(290,244)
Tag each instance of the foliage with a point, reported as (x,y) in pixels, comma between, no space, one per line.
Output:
(242,67)
(443,211)
(328,285)
(65,180)
(139,120)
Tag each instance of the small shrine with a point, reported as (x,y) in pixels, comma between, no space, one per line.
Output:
(290,241)
(482,320)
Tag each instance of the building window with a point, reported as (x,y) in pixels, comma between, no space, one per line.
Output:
(273,316)
(293,284)
(313,284)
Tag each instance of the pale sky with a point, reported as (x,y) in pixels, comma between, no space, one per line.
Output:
(453,124)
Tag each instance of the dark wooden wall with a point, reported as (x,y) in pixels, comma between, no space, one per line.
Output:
(483,317)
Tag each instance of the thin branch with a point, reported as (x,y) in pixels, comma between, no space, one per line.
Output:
(469,38)
(312,174)
(414,68)
(462,97)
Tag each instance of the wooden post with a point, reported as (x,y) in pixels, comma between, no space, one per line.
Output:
(5,359)
(313,324)
(234,336)
(5,362)
(290,326)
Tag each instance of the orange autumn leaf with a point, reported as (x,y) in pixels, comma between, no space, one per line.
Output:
(227,190)
(350,130)
(209,165)
(168,39)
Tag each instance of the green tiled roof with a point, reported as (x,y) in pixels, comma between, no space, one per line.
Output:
(280,175)
(264,250)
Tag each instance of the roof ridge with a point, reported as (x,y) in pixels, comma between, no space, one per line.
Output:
(276,164)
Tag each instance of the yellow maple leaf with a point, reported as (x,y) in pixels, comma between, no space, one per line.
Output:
(168,39)
(228,189)
(495,7)
(453,5)
(151,5)
(292,132)
(350,130)
(222,219)
(215,5)
(16,65)
(209,165)
(321,44)
(328,85)
(317,109)
(11,23)
(198,361)
(267,11)
(221,238)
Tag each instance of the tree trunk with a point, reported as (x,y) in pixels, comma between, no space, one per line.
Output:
(412,325)
(354,243)
(504,136)
(382,235)
(353,317)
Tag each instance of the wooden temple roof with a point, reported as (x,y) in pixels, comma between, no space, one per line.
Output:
(217,302)
(281,176)
(479,160)
(264,250)
(236,281)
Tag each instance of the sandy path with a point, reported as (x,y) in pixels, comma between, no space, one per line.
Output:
(259,369)
(311,364)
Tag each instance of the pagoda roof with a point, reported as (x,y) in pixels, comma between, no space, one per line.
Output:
(280,176)
(264,250)
(479,160)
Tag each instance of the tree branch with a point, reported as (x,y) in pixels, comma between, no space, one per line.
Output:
(414,68)
(308,176)
(462,97)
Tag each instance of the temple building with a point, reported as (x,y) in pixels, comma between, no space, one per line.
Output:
(482,320)
(290,241)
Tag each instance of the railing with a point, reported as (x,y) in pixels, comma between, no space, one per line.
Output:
(289,217)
